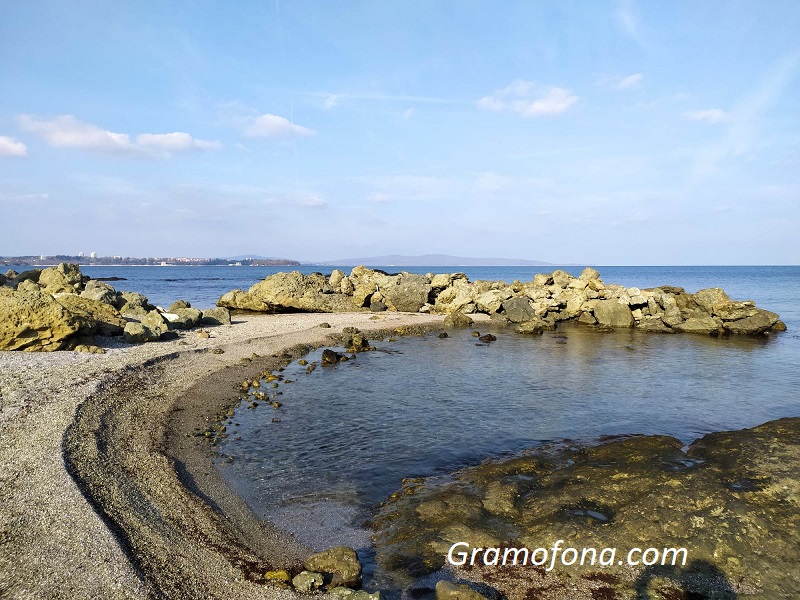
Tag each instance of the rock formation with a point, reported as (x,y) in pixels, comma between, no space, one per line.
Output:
(548,299)
(58,308)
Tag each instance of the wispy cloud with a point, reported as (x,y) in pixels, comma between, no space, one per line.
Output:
(627,16)
(631,81)
(333,99)
(711,115)
(11,147)
(66,131)
(274,126)
(529,99)
(742,131)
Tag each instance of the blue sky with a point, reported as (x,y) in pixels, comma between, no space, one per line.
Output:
(578,132)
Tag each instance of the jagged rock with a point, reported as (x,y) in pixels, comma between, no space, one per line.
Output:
(33,321)
(702,324)
(101,292)
(66,277)
(733,311)
(307,581)
(3,280)
(711,298)
(339,566)
(155,323)
(134,304)
(29,275)
(518,310)
(587,318)
(457,319)
(28,285)
(612,313)
(331,357)
(492,301)
(96,316)
(11,274)
(441,281)
(186,318)
(588,274)
(336,279)
(136,333)
(216,316)
(179,304)
(760,322)
(409,292)
(535,326)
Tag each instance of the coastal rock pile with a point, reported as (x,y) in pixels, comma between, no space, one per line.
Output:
(59,308)
(537,305)
(732,500)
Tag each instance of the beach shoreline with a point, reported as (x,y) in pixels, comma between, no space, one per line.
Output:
(149,515)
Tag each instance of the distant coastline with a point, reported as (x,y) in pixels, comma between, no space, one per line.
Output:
(119,261)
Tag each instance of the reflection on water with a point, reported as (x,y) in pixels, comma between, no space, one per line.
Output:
(349,434)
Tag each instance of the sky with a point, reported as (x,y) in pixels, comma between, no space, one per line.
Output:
(608,132)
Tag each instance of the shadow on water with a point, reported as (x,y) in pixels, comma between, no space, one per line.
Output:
(699,580)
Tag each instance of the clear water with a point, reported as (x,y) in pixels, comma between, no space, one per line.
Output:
(423,406)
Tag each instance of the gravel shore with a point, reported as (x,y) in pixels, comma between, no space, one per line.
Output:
(105,492)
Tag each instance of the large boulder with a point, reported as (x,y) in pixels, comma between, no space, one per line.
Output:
(184,318)
(134,304)
(66,277)
(613,313)
(156,323)
(761,321)
(408,293)
(34,321)
(285,292)
(96,316)
(711,298)
(216,316)
(518,310)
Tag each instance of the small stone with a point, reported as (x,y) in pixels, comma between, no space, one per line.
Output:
(308,581)
(443,335)
(302,362)
(325,325)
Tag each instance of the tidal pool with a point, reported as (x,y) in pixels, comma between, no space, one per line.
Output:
(347,435)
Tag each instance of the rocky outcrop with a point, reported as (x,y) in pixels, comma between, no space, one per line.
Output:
(58,308)
(549,298)
(34,321)
(732,500)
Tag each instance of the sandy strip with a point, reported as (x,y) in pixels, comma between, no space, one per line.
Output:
(132,528)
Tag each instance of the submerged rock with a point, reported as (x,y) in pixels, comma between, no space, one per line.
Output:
(732,500)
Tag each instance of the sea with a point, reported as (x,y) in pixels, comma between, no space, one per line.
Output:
(346,436)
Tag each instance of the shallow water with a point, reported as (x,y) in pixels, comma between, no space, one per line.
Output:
(423,406)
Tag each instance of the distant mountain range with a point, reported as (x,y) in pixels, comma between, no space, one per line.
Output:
(433,260)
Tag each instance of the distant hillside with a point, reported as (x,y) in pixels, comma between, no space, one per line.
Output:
(434,260)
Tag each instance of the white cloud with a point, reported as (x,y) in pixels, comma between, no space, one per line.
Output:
(331,101)
(11,147)
(174,142)
(274,126)
(408,113)
(712,115)
(66,131)
(529,99)
(630,81)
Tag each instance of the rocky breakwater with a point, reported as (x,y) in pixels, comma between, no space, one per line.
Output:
(732,501)
(534,306)
(59,308)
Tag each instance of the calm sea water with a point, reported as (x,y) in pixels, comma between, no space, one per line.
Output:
(426,406)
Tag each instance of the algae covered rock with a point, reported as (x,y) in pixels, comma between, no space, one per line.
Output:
(339,565)
(725,513)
